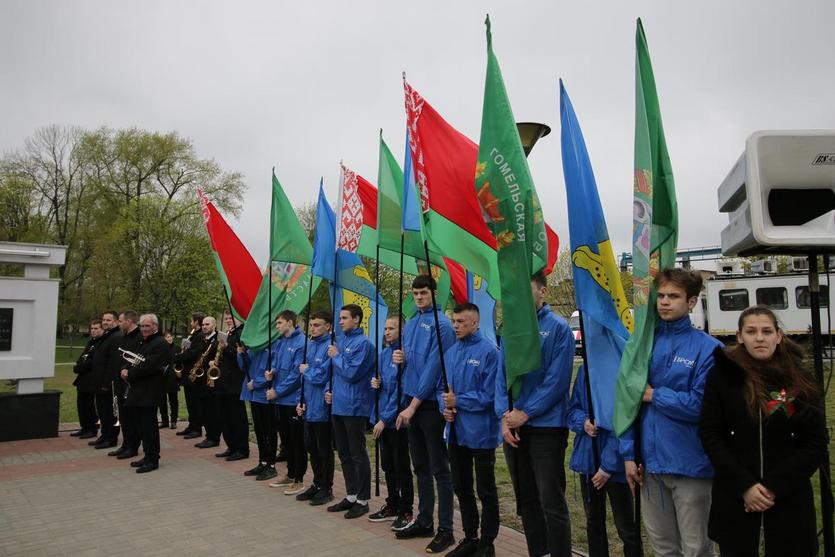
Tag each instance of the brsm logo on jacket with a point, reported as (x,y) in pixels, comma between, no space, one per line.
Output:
(473,362)
(686,361)
(426,326)
(544,333)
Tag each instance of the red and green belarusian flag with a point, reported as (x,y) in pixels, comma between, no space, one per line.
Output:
(654,233)
(237,269)
(508,198)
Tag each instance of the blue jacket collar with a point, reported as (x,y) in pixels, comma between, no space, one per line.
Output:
(472,338)
(296,332)
(354,332)
(543,311)
(394,345)
(321,338)
(427,310)
(678,326)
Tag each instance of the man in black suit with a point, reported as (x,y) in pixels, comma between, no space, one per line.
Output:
(105,362)
(227,395)
(130,341)
(85,385)
(145,381)
(186,359)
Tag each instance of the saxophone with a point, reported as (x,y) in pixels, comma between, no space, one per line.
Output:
(178,368)
(197,370)
(213,373)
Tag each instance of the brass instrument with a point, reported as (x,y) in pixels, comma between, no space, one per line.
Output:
(213,373)
(133,359)
(197,371)
(178,368)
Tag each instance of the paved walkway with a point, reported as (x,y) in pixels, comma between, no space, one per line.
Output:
(60,497)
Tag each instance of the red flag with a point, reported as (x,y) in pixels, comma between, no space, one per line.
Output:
(553,248)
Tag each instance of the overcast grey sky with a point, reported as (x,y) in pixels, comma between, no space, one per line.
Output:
(301,85)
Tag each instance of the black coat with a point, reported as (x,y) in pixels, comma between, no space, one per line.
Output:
(107,360)
(170,383)
(130,342)
(792,450)
(231,376)
(85,379)
(188,357)
(146,378)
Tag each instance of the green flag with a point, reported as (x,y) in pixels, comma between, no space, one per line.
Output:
(654,233)
(288,283)
(506,193)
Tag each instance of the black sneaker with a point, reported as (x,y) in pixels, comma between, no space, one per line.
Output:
(343,505)
(357,510)
(385,514)
(255,471)
(307,494)
(402,521)
(442,540)
(485,549)
(322,497)
(465,548)
(416,530)
(267,473)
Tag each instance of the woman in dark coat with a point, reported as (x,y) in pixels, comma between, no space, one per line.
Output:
(763,430)
(171,389)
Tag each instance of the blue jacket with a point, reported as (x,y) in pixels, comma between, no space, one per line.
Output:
(682,356)
(255,364)
(353,369)
(544,393)
(316,379)
(388,389)
(472,364)
(286,360)
(582,459)
(422,374)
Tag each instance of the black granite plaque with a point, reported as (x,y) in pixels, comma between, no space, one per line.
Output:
(6,318)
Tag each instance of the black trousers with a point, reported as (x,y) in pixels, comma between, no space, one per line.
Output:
(263,420)
(293,435)
(430,460)
(146,422)
(319,442)
(104,408)
(463,460)
(169,399)
(594,503)
(211,419)
(131,436)
(394,456)
(193,407)
(349,435)
(86,404)
(537,471)
(234,422)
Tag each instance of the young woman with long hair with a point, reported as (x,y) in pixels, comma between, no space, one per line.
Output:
(763,430)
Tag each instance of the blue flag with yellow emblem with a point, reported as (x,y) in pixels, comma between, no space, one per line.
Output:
(607,321)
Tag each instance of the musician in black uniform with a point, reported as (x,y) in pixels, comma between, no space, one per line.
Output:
(204,393)
(171,388)
(85,395)
(187,358)
(131,338)
(145,380)
(227,390)
(105,358)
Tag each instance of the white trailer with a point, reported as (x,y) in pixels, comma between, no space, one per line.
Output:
(724,298)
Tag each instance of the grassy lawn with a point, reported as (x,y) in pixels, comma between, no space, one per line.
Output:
(64,377)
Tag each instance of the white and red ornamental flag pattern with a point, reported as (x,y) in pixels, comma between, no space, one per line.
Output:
(350,212)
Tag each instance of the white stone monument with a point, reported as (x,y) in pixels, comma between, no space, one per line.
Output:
(28,319)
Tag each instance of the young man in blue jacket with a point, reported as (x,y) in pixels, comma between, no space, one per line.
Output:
(676,499)
(317,420)
(394,443)
(284,393)
(472,364)
(256,365)
(601,475)
(535,433)
(421,359)
(353,360)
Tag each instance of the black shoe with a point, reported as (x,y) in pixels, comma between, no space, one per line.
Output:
(118,451)
(192,435)
(147,467)
(173,425)
(465,548)
(256,470)
(105,444)
(236,456)
(267,473)
(78,433)
(307,494)
(442,540)
(416,530)
(163,425)
(127,454)
(282,457)
(322,497)
(207,444)
(485,549)
(342,506)
(137,463)
(357,510)
(401,522)
(385,514)
(88,435)
(224,454)
(184,432)
(95,441)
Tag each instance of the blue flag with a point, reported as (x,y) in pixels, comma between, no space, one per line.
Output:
(411,201)
(477,294)
(324,238)
(607,321)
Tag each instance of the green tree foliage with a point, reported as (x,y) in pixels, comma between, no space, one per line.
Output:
(125,204)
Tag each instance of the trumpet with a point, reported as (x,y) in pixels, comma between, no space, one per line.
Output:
(132,357)
(178,368)
(197,371)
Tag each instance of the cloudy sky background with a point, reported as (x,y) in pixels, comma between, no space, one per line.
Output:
(301,85)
